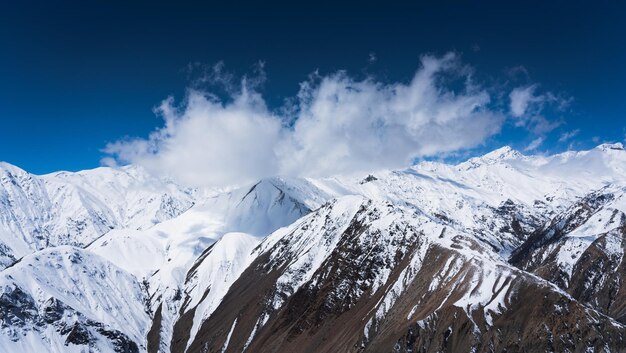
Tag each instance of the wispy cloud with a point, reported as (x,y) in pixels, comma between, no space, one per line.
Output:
(568,135)
(527,107)
(534,144)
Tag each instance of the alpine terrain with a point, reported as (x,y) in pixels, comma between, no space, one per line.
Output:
(501,253)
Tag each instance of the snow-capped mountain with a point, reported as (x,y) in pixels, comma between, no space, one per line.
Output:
(76,208)
(503,252)
(361,275)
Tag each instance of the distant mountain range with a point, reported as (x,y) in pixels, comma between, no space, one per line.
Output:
(501,253)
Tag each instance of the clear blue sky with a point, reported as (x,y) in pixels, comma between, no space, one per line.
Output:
(74,76)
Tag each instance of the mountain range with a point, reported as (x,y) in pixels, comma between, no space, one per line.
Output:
(504,252)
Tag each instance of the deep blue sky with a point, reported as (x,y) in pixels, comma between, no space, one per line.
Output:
(74,76)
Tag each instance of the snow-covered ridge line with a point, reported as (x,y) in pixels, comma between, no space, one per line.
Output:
(76,208)
(158,232)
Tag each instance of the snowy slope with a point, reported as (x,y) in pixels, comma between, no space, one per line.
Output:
(169,255)
(569,234)
(128,196)
(76,208)
(69,298)
(175,244)
(582,250)
(500,197)
(213,274)
(24,213)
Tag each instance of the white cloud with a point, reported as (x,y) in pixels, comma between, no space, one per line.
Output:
(522,98)
(335,125)
(108,162)
(534,144)
(346,125)
(208,142)
(568,135)
(539,125)
(527,107)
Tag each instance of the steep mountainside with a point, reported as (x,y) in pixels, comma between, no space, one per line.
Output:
(65,298)
(215,235)
(503,252)
(362,276)
(582,250)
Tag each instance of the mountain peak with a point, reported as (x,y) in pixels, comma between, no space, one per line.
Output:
(618,146)
(11,168)
(493,157)
(505,152)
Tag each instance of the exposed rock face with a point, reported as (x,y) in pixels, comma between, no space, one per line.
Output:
(366,292)
(68,297)
(598,277)
(559,227)
(582,252)
(22,316)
